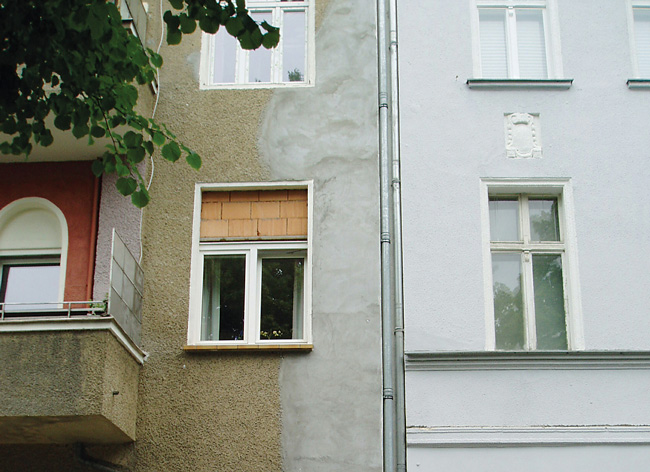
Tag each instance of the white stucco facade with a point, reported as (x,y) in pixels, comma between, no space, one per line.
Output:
(468,410)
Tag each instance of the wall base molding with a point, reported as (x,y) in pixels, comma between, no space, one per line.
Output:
(527,436)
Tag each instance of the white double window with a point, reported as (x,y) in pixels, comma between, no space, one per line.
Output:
(253,293)
(516,40)
(531,274)
(640,37)
(251,268)
(225,63)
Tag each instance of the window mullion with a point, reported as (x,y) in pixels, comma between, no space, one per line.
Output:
(276,55)
(529,301)
(253,286)
(512,46)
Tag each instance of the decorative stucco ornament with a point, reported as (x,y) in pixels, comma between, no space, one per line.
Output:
(523,138)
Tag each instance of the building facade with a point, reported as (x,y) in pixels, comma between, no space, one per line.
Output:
(524,163)
(259,343)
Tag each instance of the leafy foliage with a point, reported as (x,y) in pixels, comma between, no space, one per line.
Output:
(72,60)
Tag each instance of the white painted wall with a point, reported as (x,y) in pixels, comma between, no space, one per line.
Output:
(595,133)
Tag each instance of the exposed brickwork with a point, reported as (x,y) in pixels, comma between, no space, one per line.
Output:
(254,214)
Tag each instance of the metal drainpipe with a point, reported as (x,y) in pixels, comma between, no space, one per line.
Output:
(400,402)
(387,315)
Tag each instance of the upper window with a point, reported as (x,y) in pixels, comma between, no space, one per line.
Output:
(641,38)
(515,40)
(529,258)
(251,271)
(225,63)
(33,239)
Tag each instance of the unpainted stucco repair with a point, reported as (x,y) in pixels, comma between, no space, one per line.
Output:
(331,399)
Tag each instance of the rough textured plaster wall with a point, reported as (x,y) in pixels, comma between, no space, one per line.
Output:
(116,211)
(331,409)
(216,411)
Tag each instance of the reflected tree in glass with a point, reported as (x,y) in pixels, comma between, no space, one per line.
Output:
(224,280)
(550,315)
(508,301)
(282,298)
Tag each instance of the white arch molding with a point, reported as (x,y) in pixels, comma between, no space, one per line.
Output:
(35,226)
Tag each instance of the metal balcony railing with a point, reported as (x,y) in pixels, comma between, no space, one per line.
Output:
(124,302)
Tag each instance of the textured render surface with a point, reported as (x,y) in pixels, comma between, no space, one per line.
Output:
(331,398)
(215,412)
(59,388)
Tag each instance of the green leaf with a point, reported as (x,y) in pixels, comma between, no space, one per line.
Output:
(271,39)
(158,138)
(173,22)
(97,131)
(148,146)
(135,155)
(122,170)
(174,36)
(80,131)
(188,25)
(171,151)
(177,4)
(140,198)
(194,160)
(97,168)
(126,186)
(46,138)
(132,139)
(156,60)
(234,26)
(209,24)
(62,122)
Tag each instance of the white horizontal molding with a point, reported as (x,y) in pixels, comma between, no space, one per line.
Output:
(523,436)
(86,323)
(527,360)
(638,83)
(519,83)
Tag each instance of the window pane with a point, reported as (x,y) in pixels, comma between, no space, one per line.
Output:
(225,58)
(508,302)
(544,222)
(494,61)
(642,38)
(504,220)
(259,60)
(224,280)
(37,284)
(293,46)
(550,317)
(531,44)
(282,299)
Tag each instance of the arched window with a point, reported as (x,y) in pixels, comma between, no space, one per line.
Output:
(33,254)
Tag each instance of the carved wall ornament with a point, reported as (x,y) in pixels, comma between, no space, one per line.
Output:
(523,138)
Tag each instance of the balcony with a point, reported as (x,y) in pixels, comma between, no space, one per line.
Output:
(71,368)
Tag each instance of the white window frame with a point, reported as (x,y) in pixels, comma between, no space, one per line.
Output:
(551,36)
(32,255)
(631,6)
(556,188)
(241,56)
(252,250)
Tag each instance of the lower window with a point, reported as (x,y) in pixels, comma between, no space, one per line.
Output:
(251,277)
(253,294)
(533,294)
(29,284)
